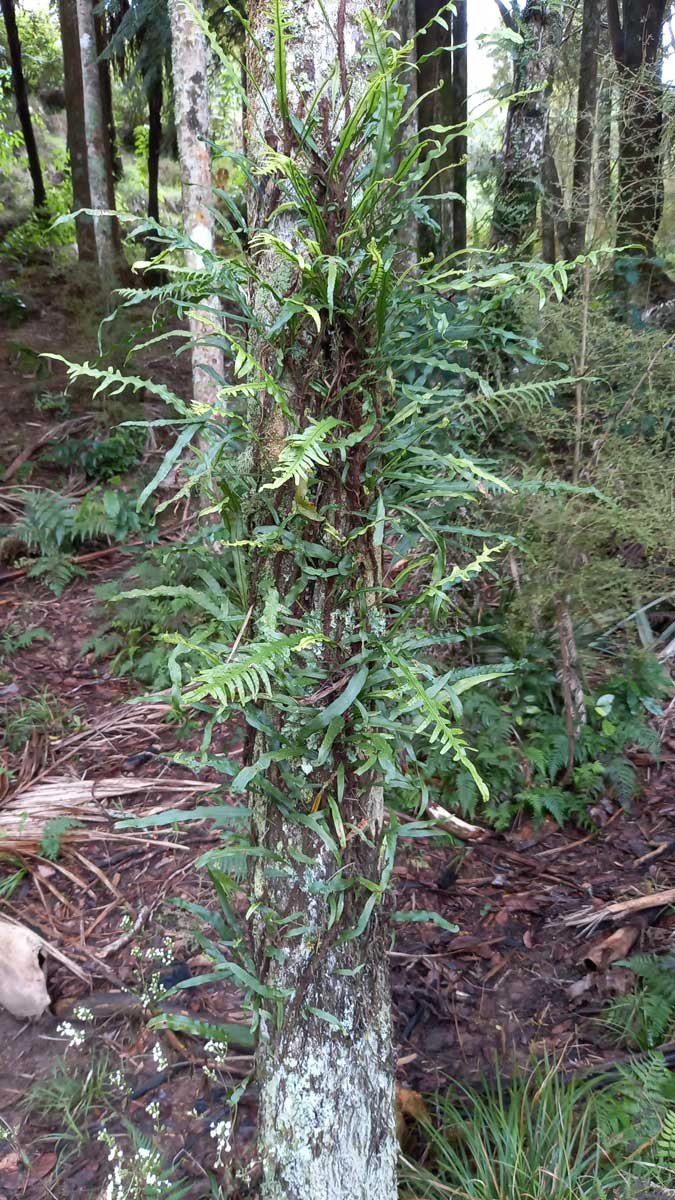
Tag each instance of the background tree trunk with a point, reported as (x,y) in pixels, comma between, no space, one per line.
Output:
(326,1117)
(155,99)
(603,200)
(77,142)
(636,35)
(519,184)
(99,164)
(22,106)
(587,102)
(189,56)
(404,20)
(107,105)
(460,33)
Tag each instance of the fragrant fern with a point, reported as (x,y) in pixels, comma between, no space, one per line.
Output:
(303,453)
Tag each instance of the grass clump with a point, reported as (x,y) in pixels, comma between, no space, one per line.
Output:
(542,1136)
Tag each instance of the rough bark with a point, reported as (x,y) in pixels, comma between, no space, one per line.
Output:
(519,183)
(22,106)
(99,162)
(587,102)
(636,34)
(326,1118)
(77,143)
(189,57)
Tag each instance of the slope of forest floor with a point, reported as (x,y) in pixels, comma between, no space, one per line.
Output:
(513,981)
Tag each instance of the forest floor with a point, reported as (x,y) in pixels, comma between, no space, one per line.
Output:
(515,980)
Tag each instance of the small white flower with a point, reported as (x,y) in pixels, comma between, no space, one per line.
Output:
(159,1057)
(76,1037)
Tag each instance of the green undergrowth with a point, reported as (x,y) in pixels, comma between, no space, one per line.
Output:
(532,767)
(645,1017)
(52,529)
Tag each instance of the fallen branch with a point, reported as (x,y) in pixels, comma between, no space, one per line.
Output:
(19,572)
(453,824)
(616,911)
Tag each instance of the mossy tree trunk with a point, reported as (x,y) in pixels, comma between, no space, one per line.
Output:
(519,183)
(326,1117)
(98,150)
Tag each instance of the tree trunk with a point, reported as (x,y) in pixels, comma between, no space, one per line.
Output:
(434,53)
(519,184)
(189,56)
(404,21)
(22,106)
(636,35)
(640,197)
(587,102)
(326,1116)
(77,142)
(554,227)
(155,100)
(99,164)
(459,83)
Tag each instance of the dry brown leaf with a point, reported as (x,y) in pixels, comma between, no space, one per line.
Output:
(609,949)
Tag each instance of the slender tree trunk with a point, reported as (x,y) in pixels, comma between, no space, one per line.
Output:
(326,1117)
(519,185)
(460,33)
(603,200)
(76,139)
(587,102)
(549,206)
(107,103)
(155,100)
(99,165)
(189,55)
(22,106)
